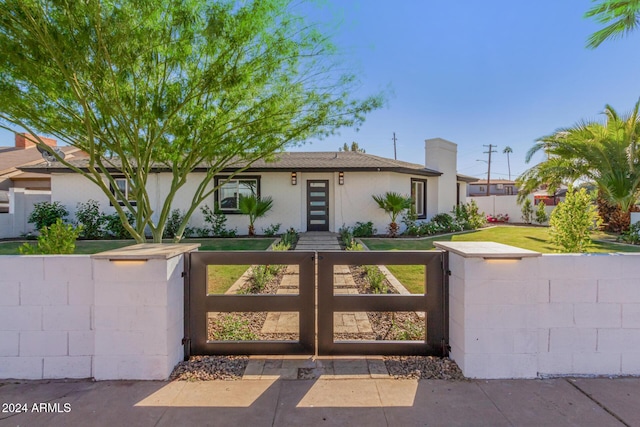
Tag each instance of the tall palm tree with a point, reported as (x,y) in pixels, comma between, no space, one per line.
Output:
(622,17)
(605,153)
(255,208)
(393,204)
(507,150)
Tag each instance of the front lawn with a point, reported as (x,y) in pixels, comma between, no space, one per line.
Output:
(532,238)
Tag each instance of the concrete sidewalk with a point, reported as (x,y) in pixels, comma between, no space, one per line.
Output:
(326,402)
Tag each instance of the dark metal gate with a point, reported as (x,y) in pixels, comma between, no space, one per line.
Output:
(434,303)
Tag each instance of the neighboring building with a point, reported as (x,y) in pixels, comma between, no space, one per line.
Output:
(497,187)
(311,190)
(550,199)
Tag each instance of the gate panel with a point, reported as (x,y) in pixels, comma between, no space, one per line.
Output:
(201,303)
(433,303)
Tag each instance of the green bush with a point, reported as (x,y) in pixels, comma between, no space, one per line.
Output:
(632,235)
(541,213)
(354,246)
(271,230)
(232,328)
(115,228)
(346,235)
(409,219)
(289,237)
(91,218)
(260,276)
(363,229)
(45,214)
(173,224)
(527,211)
(445,221)
(217,220)
(376,279)
(407,331)
(572,222)
(468,216)
(58,238)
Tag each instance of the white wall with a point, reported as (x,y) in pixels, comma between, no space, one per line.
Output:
(546,315)
(21,202)
(74,316)
(495,205)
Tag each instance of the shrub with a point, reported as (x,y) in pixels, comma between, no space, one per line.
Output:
(363,229)
(393,204)
(217,219)
(409,219)
(92,220)
(173,224)
(260,276)
(445,221)
(58,238)
(346,235)
(271,230)
(202,231)
(468,216)
(289,237)
(632,235)
(541,213)
(376,278)
(407,331)
(281,246)
(115,228)
(354,246)
(527,211)
(45,214)
(572,221)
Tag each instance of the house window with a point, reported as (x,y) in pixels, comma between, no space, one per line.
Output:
(419,197)
(229,191)
(509,190)
(482,189)
(123,186)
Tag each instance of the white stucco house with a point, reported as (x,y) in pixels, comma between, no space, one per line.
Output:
(311,191)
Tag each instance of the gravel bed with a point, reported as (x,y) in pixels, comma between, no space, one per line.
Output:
(207,368)
(423,367)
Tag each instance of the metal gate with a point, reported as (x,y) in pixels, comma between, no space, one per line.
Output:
(317,311)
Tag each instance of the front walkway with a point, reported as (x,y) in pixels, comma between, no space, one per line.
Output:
(331,402)
(318,241)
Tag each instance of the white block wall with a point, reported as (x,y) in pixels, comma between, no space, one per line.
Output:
(545,316)
(73,316)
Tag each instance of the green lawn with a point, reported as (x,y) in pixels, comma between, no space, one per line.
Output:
(95,246)
(532,238)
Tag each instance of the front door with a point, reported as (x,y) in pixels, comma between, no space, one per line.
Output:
(318,205)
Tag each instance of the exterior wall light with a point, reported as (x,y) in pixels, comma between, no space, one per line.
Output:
(294,178)
(341,178)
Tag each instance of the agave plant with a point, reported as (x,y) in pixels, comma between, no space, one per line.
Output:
(255,207)
(393,204)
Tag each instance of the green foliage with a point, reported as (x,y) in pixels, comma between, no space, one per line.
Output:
(353,147)
(606,154)
(354,246)
(376,279)
(346,235)
(281,246)
(632,235)
(410,221)
(58,238)
(45,214)
(232,328)
(468,216)
(271,230)
(289,237)
(393,204)
(445,221)
(255,207)
(91,218)
(541,213)
(363,229)
(217,220)
(180,84)
(407,331)
(527,211)
(622,17)
(176,219)
(115,228)
(572,222)
(260,276)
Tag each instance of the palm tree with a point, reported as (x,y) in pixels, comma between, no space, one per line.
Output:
(507,150)
(255,207)
(623,16)
(604,153)
(393,204)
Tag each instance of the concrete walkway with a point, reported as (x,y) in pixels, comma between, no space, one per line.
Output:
(332,402)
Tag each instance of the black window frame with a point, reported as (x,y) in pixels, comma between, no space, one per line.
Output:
(220,180)
(424,197)
(126,191)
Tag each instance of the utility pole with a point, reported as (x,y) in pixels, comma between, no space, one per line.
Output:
(395,155)
(491,150)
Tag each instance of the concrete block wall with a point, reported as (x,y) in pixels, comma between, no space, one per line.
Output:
(514,316)
(80,316)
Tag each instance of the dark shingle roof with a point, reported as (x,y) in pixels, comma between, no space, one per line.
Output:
(296,161)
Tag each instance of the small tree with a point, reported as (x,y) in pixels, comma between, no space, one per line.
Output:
(572,222)
(393,204)
(255,207)
(527,211)
(92,220)
(541,213)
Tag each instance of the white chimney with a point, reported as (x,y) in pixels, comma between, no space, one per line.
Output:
(442,156)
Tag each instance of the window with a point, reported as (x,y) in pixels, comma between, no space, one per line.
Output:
(123,186)
(419,197)
(509,190)
(229,192)
(482,189)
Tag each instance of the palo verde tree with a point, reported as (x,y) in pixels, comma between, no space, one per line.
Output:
(169,85)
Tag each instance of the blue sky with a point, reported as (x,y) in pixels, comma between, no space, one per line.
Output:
(501,72)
